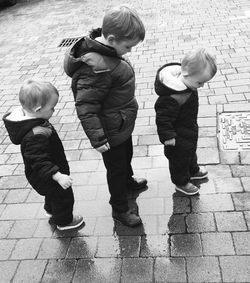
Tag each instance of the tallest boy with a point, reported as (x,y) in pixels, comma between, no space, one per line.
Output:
(103,84)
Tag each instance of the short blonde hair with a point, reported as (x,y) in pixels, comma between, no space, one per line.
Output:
(34,93)
(197,61)
(124,23)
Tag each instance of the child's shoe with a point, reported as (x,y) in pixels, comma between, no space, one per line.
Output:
(201,174)
(188,189)
(128,218)
(76,222)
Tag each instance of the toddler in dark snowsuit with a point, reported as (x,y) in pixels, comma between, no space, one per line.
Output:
(176,115)
(46,167)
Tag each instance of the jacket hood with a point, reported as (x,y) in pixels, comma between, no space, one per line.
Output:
(18,128)
(79,51)
(167,80)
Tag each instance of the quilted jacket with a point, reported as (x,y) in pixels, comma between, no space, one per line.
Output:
(103,86)
(41,149)
(176,113)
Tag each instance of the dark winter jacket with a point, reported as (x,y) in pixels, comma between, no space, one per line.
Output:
(41,149)
(103,85)
(176,112)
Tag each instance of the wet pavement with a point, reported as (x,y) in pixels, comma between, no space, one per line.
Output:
(202,238)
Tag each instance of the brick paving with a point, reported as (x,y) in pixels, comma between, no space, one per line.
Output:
(204,238)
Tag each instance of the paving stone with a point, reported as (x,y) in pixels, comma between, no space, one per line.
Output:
(245,182)
(205,186)
(217,244)
(151,206)
(6,247)
(87,192)
(242,242)
(30,271)
(43,229)
(7,270)
(121,246)
(200,222)
(137,270)
(26,249)
(53,248)
(13,182)
(228,185)
(17,196)
(3,194)
(241,201)
(247,217)
(208,155)
(235,268)
(5,227)
(170,270)
(171,224)
(106,270)
(207,132)
(185,245)
(23,229)
(82,247)
(154,246)
(2,208)
(20,211)
(230,221)
(93,208)
(59,271)
(34,197)
(206,203)
(229,157)
(203,269)
(7,170)
(83,166)
(240,170)
(220,171)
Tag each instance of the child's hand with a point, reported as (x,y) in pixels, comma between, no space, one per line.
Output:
(65,181)
(103,148)
(170,142)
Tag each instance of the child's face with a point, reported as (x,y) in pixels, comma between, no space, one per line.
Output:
(197,80)
(124,46)
(47,111)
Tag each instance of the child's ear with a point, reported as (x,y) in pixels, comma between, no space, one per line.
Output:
(111,39)
(184,73)
(37,109)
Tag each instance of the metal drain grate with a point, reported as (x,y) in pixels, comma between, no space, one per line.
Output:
(234,131)
(66,42)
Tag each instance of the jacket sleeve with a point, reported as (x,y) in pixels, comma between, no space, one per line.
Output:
(36,152)
(90,90)
(167,110)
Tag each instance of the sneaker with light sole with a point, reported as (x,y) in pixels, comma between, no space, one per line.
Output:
(201,174)
(188,189)
(76,222)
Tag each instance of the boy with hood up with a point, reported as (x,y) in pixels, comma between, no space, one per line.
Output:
(103,85)
(176,115)
(46,167)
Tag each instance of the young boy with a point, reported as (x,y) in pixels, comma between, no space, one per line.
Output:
(176,115)
(46,167)
(103,84)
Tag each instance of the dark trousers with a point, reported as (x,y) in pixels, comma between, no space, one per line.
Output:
(59,203)
(117,161)
(182,164)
